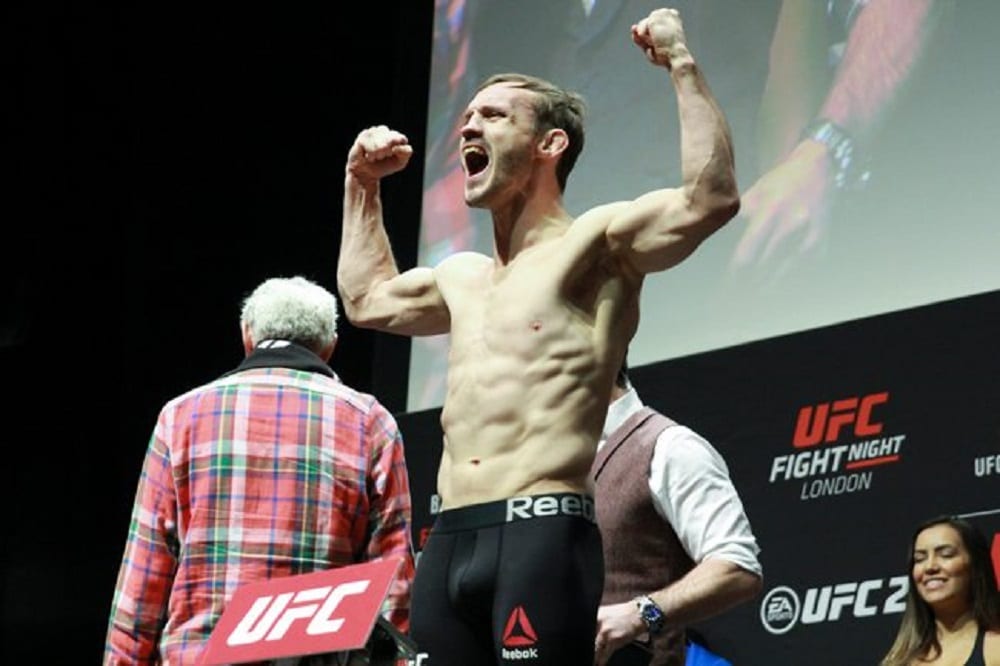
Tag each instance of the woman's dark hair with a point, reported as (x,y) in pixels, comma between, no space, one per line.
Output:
(917,635)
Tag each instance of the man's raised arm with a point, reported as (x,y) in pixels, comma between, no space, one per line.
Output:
(661,228)
(374,293)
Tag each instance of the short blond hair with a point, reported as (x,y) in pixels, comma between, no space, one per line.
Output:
(294,309)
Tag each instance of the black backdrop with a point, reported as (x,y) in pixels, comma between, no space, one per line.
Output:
(162,160)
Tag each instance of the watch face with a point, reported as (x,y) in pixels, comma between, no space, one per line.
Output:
(651,615)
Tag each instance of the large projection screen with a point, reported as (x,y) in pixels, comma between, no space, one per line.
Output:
(911,220)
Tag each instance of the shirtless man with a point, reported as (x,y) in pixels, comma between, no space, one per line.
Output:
(513,567)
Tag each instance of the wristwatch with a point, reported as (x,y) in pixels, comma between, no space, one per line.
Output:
(651,614)
(847,174)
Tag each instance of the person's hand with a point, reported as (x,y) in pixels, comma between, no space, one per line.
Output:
(786,210)
(661,37)
(617,626)
(378,152)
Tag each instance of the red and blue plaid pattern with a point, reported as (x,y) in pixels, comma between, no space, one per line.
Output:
(263,473)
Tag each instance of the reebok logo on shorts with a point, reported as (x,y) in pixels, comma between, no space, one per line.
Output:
(519,636)
(539,506)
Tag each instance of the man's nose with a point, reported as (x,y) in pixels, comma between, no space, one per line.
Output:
(471,127)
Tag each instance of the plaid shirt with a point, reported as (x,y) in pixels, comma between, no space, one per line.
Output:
(263,473)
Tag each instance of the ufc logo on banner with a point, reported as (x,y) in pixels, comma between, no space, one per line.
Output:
(314,613)
(273,616)
(822,423)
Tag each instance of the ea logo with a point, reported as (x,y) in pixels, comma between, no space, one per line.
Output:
(779,611)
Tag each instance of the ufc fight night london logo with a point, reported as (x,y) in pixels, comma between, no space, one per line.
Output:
(836,444)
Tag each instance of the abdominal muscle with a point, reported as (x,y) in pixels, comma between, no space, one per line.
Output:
(487,478)
(522,419)
(533,356)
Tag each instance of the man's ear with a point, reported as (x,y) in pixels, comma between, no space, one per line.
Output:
(326,353)
(248,341)
(553,143)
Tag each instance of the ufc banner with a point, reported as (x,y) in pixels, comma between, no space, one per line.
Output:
(315,613)
(840,441)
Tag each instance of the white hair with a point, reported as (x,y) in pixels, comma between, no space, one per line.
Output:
(294,309)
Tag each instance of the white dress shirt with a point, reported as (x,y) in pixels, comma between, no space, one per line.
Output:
(691,490)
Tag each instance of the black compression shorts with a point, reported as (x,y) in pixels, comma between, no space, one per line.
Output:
(516,581)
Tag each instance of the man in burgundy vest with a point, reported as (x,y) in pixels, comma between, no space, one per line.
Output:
(678,547)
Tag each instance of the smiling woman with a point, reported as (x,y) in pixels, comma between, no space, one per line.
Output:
(952,611)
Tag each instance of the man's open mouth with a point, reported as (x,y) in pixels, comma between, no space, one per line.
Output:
(475,159)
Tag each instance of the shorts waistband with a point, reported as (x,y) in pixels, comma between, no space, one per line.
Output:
(512,509)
